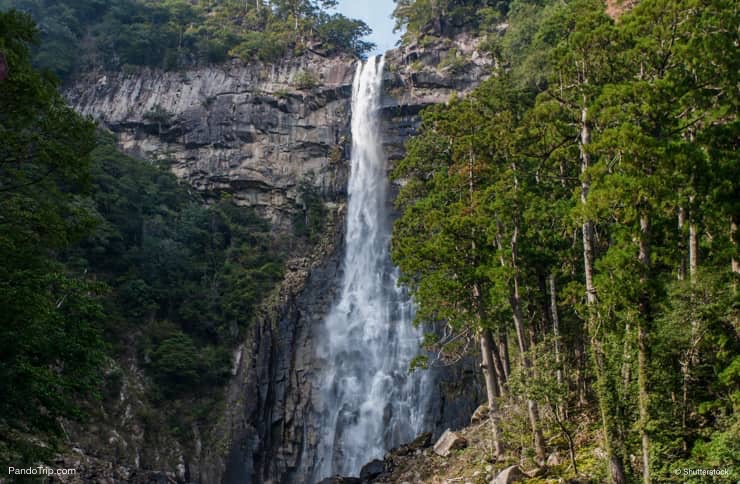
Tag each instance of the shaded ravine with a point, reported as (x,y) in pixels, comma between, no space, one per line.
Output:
(368,401)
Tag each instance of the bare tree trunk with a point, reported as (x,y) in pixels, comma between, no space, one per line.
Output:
(580,368)
(643,317)
(498,365)
(689,360)
(545,307)
(555,327)
(515,301)
(532,410)
(693,250)
(735,262)
(616,467)
(503,348)
(486,347)
(681,223)
(626,359)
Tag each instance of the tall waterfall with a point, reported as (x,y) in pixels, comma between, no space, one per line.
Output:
(368,402)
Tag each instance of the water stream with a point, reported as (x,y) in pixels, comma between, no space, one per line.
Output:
(368,402)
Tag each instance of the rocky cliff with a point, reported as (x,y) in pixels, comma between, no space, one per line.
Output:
(257,132)
(254,131)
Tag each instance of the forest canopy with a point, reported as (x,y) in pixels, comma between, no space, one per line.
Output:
(447,17)
(577,215)
(104,257)
(82,35)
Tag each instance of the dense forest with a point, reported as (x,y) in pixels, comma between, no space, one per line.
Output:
(572,223)
(576,219)
(82,35)
(104,256)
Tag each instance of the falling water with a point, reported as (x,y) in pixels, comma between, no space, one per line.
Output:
(368,401)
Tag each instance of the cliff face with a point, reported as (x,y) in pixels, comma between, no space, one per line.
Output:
(254,131)
(257,132)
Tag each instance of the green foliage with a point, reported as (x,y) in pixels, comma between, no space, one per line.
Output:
(613,129)
(169,257)
(175,363)
(174,34)
(50,338)
(305,80)
(173,277)
(310,218)
(446,17)
(454,62)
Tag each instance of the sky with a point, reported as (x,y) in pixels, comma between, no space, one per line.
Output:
(377,14)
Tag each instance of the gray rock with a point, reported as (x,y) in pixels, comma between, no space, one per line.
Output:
(480,414)
(448,442)
(372,469)
(554,459)
(508,475)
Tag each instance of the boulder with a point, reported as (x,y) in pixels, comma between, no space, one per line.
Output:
(372,469)
(554,459)
(480,414)
(448,442)
(510,474)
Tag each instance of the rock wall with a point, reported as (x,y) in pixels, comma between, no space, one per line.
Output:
(256,132)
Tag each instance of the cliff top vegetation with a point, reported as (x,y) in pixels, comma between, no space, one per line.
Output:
(83,35)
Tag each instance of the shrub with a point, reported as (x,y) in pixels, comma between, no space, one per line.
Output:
(305,80)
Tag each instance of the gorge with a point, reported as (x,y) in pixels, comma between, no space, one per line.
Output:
(220,221)
(251,132)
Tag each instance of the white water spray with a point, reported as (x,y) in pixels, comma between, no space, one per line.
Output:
(368,401)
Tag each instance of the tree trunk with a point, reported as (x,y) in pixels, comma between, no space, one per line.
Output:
(642,319)
(545,306)
(693,250)
(486,348)
(681,247)
(581,356)
(588,249)
(569,437)
(555,327)
(503,348)
(735,262)
(616,467)
(498,365)
(515,302)
(687,363)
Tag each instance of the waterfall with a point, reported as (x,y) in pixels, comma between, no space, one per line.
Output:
(367,401)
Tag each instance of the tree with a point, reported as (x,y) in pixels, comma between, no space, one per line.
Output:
(439,242)
(50,338)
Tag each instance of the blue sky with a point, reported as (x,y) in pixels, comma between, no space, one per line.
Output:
(377,14)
